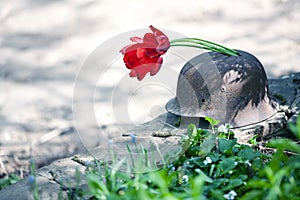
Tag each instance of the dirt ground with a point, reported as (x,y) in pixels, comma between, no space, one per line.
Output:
(44,43)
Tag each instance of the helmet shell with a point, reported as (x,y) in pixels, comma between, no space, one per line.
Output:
(232,89)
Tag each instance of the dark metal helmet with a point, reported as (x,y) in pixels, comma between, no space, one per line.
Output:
(232,89)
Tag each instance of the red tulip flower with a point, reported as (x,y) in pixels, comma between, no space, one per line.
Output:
(145,55)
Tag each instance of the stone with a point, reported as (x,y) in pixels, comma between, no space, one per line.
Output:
(161,139)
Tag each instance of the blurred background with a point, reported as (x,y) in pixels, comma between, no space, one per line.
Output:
(43,44)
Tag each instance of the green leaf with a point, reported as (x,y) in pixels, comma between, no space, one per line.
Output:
(220,182)
(6,181)
(216,194)
(204,176)
(212,121)
(295,128)
(214,156)
(208,144)
(243,177)
(233,183)
(117,166)
(226,165)
(197,187)
(254,194)
(277,159)
(226,145)
(192,131)
(159,178)
(253,140)
(248,154)
(97,188)
(284,144)
(257,164)
(258,183)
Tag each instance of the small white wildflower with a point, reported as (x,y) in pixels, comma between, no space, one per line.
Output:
(236,163)
(224,128)
(185,178)
(207,161)
(230,196)
(248,163)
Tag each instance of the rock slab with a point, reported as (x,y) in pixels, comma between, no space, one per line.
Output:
(58,179)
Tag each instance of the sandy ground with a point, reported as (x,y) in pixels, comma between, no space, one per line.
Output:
(44,43)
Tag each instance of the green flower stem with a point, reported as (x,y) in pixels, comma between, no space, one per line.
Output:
(191,45)
(194,45)
(203,44)
(207,48)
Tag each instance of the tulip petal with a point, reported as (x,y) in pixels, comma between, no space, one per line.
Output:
(132,73)
(155,31)
(149,40)
(163,46)
(157,66)
(140,52)
(123,50)
(136,39)
(139,72)
(162,40)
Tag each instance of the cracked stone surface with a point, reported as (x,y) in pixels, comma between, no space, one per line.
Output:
(58,179)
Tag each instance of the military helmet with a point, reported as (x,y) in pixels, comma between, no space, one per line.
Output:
(232,89)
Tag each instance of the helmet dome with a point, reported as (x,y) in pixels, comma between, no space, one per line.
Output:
(232,89)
